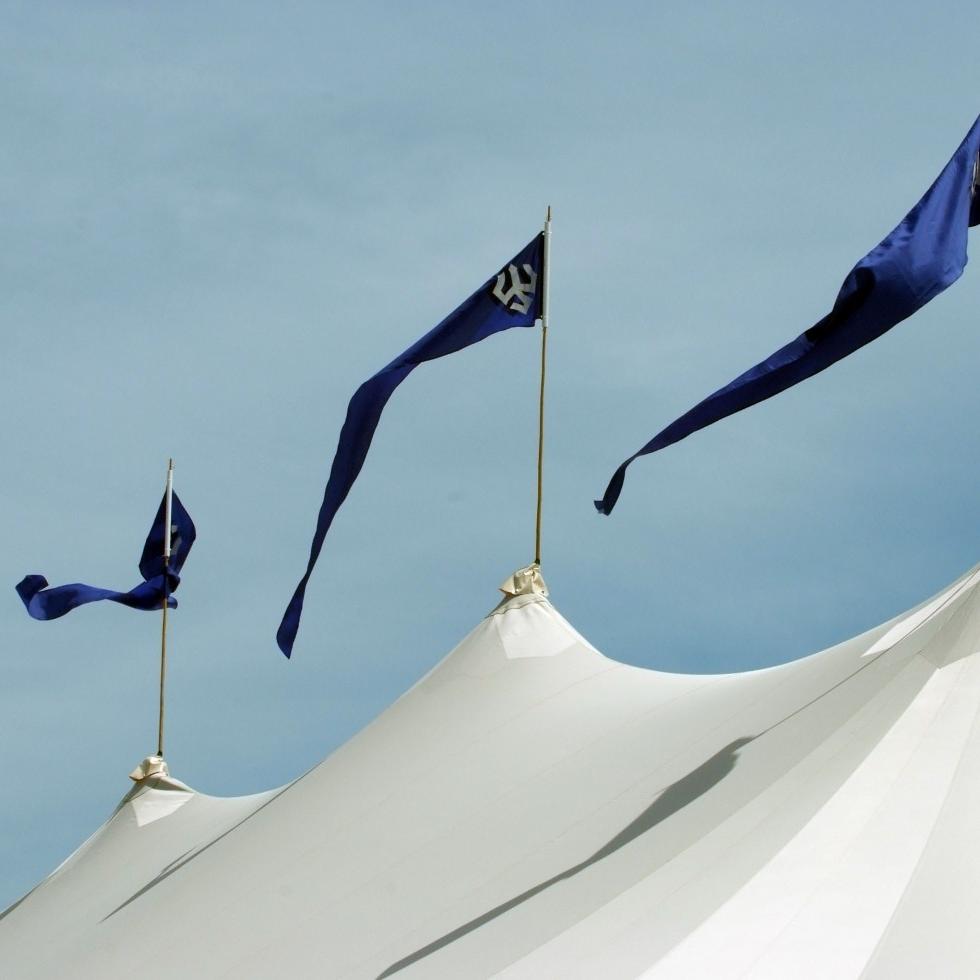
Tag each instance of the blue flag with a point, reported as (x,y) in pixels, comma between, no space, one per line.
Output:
(511,298)
(916,262)
(160,578)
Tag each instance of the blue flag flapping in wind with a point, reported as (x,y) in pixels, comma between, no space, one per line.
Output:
(511,298)
(916,262)
(160,578)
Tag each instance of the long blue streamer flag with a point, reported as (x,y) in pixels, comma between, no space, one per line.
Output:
(160,578)
(511,298)
(916,262)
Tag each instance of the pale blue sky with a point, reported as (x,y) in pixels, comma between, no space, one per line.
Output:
(218,219)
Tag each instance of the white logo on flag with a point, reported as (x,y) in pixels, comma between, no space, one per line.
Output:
(975,185)
(518,295)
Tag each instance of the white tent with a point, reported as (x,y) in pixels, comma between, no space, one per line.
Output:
(532,809)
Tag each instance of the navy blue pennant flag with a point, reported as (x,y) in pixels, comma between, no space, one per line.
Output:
(916,262)
(510,298)
(160,578)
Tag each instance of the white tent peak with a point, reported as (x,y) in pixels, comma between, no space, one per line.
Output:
(156,794)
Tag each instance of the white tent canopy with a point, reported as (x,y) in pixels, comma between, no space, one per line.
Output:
(532,809)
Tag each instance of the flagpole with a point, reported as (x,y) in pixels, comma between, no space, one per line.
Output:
(544,353)
(167,514)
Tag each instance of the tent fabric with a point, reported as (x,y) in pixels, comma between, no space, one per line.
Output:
(533,809)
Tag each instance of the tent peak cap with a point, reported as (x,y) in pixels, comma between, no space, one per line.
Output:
(154,773)
(152,765)
(525,581)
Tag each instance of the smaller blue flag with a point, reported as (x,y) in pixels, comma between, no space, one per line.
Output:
(510,298)
(924,255)
(160,577)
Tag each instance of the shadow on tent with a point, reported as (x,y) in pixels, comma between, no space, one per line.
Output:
(675,797)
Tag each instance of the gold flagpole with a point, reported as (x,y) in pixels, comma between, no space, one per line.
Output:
(167,514)
(544,353)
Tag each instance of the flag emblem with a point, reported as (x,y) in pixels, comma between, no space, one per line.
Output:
(513,292)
